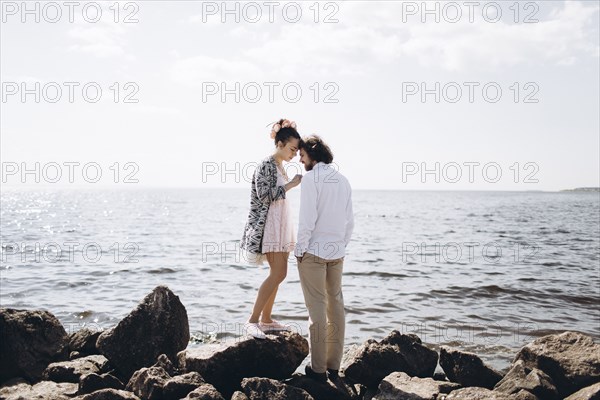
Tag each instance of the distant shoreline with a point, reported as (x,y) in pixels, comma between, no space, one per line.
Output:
(583,189)
(133,187)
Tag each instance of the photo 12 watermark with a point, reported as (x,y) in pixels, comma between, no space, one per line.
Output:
(52,12)
(269,92)
(469,172)
(471,332)
(470,92)
(69,92)
(236,172)
(470,252)
(519,12)
(451,252)
(253,12)
(212,332)
(69,252)
(72,172)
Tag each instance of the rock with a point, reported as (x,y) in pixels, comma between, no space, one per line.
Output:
(525,395)
(92,382)
(270,389)
(477,393)
(318,390)
(29,341)
(571,359)
(373,361)
(166,364)
(148,383)
(71,371)
(467,369)
(239,396)
(206,391)
(224,366)
(109,394)
(181,385)
(84,341)
(159,324)
(401,386)
(519,377)
(440,376)
(44,390)
(588,393)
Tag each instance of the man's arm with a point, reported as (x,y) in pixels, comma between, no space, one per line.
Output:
(349,219)
(308,214)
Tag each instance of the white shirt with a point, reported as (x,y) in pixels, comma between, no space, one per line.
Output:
(326,218)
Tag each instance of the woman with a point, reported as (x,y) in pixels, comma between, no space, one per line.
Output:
(269,233)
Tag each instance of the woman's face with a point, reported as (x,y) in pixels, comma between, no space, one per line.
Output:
(289,150)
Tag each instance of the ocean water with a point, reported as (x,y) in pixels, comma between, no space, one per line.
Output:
(486,272)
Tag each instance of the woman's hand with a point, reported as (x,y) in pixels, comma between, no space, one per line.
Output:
(296,180)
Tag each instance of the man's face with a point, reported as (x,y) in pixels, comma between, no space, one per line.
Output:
(306,160)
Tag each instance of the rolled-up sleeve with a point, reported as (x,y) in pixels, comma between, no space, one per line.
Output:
(266,184)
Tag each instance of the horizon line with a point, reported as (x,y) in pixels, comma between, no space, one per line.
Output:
(130,186)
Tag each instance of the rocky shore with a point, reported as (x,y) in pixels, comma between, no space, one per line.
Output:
(145,356)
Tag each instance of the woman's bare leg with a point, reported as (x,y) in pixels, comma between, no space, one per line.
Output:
(268,308)
(268,289)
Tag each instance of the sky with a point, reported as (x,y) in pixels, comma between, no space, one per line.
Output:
(410,96)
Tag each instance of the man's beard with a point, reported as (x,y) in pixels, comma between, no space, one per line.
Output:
(309,167)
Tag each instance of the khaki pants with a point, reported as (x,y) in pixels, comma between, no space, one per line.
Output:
(321,282)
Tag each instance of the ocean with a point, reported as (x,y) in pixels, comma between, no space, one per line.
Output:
(486,272)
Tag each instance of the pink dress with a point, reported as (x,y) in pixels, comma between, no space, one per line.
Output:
(279,235)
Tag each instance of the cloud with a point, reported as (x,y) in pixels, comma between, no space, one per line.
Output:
(102,39)
(198,69)
(367,33)
(367,37)
(563,38)
(154,110)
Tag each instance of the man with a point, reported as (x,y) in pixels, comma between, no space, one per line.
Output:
(324,230)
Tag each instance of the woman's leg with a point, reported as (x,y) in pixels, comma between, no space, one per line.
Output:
(268,289)
(265,316)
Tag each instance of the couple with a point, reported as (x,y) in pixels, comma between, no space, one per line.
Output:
(325,226)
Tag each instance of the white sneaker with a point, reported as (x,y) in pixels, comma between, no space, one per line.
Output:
(274,326)
(253,330)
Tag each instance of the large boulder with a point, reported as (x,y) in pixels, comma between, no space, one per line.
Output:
(71,371)
(479,393)
(571,359)
(239,396)
(225,365)
(84,341)
(373,361)
(533,380)
(206,391)
(181,385)
(148,383)
(29,341)
(401,386)
(329,390)
(467,368)
(270,389)
(159,324)
(109,394)
(92,382)
(587,393)
(44,390)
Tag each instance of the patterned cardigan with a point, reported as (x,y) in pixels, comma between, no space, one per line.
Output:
(264,191)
